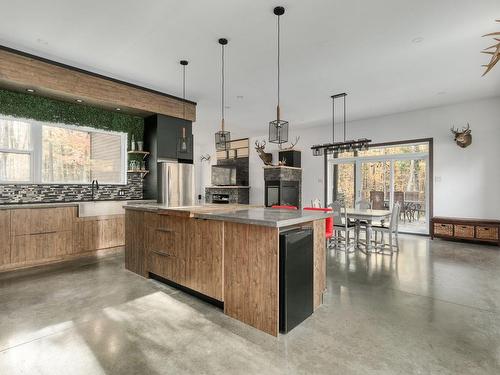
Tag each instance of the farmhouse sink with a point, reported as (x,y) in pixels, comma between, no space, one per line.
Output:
(103,208)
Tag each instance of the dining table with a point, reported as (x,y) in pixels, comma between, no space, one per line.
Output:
(367,216)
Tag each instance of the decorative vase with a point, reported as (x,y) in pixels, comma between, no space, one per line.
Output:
(140,145)
(132,144)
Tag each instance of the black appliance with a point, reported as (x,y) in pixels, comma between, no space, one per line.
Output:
(220,198)
(282,193)
(223,175)
(296,277)
(291,157)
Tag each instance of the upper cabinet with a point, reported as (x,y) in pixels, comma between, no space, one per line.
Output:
(169,138)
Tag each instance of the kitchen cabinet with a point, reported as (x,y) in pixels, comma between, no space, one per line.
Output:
(204,252)
(37,236)
(135,242)
(5,237)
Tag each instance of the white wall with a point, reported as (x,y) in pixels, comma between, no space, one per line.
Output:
(466,181)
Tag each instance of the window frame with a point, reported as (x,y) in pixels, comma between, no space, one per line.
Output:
(36,151)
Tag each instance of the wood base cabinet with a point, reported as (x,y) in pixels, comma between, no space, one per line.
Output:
(36,236)
(487,231)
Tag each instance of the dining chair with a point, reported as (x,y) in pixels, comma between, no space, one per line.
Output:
(328,223)
(362,204)
(399,197)
(377,199)
(391,230)
(342,225)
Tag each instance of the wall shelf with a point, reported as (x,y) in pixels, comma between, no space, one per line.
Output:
(143,172)
(143,153)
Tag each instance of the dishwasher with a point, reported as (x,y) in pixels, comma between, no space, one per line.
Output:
(296,277)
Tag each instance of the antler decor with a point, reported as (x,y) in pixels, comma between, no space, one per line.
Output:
(288,148)
(495,54)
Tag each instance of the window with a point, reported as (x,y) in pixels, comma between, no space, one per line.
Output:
(32,152)
(15,151)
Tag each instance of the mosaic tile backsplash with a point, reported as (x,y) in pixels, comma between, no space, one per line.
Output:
(13,194)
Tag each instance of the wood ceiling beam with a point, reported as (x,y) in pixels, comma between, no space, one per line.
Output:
(20,71)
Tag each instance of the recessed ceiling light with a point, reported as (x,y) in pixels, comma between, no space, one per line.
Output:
(118,109)
(417,40)
(79,100)
(30,90)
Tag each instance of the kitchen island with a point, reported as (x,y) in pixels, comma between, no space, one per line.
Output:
(227,253)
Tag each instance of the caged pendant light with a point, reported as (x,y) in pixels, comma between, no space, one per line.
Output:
(222,137)
(183,141)
(278,129)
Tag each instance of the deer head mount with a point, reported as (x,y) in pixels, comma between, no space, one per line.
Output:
(266,157)
(462,138)
(288,148)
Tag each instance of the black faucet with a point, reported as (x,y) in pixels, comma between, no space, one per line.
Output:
(95,185)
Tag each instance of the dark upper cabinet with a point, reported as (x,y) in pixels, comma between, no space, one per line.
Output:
(162,136)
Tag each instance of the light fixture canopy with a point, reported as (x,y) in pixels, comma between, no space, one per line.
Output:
(278,129)
(222,137)
(353,145)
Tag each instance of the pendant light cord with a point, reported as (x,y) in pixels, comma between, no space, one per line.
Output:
(333,120)
(278,61)
(184,90)
(222,93)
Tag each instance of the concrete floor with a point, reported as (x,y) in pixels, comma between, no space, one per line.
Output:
(434,309)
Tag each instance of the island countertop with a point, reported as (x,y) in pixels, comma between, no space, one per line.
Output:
(269,217)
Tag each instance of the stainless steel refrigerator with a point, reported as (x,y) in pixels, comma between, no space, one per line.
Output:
(175,184)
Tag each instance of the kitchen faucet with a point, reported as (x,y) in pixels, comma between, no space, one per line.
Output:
(95,185)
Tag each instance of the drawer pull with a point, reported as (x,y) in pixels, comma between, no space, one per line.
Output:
(161,253)
(165,230)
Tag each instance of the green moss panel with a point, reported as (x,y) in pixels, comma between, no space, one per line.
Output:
(30,106)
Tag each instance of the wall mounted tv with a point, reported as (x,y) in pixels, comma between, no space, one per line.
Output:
(223,175)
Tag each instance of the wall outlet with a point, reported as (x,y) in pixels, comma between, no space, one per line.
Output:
(121,193)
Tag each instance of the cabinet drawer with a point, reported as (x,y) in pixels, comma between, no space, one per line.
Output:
(487,233)
(443,229)
(167,266)
(464,231)
(42,220)
(41,247)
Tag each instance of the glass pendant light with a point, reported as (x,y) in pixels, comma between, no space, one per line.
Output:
(222,137)
(183,142)
(278,129)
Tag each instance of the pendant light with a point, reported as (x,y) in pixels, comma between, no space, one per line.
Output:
(222,137)
(183,142)
(278,129)
(345,145)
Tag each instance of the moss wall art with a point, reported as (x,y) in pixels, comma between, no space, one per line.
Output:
(31,106)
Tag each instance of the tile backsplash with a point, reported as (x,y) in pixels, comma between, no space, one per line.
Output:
(13,193)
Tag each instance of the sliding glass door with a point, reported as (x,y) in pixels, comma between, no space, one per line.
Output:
(384,176)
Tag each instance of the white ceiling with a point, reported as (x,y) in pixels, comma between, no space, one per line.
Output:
(361,47)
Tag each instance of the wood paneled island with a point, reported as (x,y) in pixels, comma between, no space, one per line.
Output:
(228,253)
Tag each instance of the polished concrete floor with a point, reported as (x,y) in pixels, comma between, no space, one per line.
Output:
(434,309)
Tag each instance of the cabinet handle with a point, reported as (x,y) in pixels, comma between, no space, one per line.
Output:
(165,230)
(161,253)
(34,234)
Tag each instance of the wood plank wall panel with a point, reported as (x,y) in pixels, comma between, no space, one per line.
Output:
(251,275)
(319,262)
(61,82)
(135,249)
(5,237)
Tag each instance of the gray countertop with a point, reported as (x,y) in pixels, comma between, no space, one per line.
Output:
(268,217)
(68,204)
